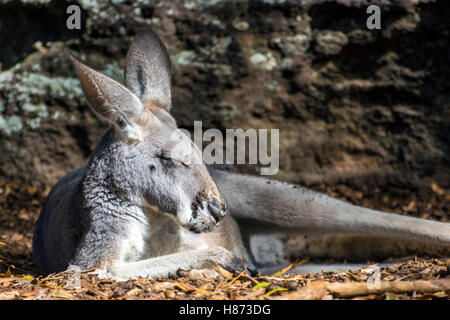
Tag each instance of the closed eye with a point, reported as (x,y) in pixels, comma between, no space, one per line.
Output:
(172,161)
(168,159)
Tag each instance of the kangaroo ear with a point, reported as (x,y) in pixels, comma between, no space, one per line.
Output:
(112,101)
(148,70)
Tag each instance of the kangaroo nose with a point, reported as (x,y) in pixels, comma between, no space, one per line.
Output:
(218,208)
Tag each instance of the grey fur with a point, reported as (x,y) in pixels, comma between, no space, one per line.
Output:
(103,215)
(148,69)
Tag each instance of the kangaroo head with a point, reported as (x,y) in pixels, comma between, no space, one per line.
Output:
(152,156)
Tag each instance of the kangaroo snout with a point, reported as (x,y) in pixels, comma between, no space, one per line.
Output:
(217,208)
(207,212)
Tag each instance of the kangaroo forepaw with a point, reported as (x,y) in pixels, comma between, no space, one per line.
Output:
(206,214)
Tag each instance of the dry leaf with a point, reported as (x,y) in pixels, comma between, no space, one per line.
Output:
(315,290)
(164,285)
(134,291)
(184,287)
(8,295)
(29,293)
(261,284)
(436,189)
(255,294)
(411,207)
(275,290)
(235,279)
(8,272)
(60,294)
(225,273)
(7,279)
(188,288)
(297,263)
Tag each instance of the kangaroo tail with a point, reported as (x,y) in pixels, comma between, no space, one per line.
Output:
(291,208)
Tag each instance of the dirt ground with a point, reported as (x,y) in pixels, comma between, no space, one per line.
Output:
(415,278)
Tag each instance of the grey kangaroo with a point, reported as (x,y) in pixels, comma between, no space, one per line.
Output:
(101,216)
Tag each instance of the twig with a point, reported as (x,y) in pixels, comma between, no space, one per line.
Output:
(358,289)
(249,277)
(293,265)
(314,290)
(351,274)
(232,281)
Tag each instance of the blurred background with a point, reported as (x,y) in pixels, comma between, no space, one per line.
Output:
(364,115)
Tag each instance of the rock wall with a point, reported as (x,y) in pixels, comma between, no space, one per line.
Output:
(364,107)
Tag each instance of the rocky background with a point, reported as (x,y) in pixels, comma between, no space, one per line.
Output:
(356,108)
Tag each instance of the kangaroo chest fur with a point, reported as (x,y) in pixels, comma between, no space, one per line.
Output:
(165,235)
